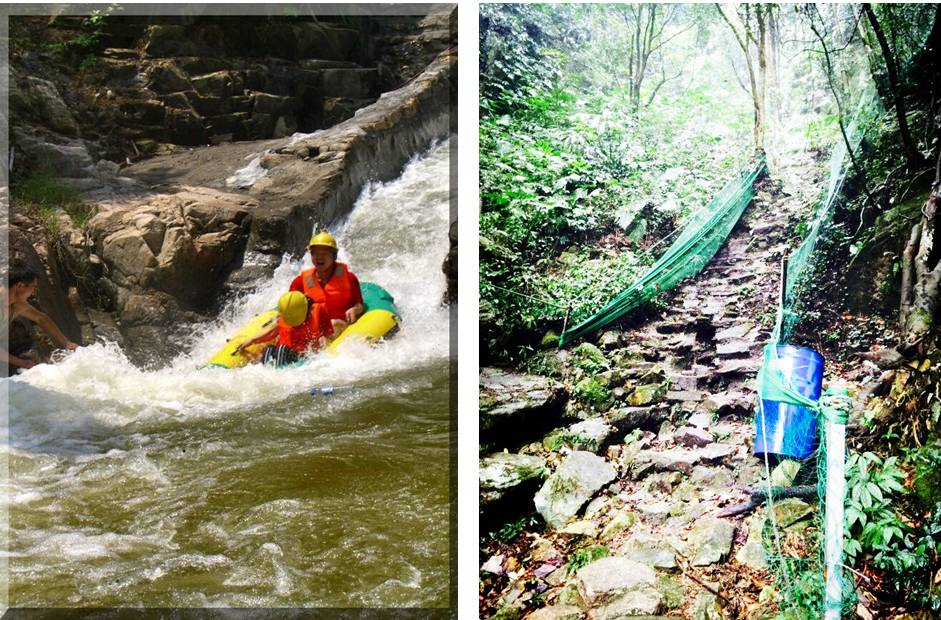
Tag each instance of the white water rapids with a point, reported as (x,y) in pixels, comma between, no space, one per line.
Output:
(190,486)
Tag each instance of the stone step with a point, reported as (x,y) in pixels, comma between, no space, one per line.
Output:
(731,348)
(671,327)
(736,331)
(738,367)
(685,396)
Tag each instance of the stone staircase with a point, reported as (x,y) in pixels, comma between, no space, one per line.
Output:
(657,465)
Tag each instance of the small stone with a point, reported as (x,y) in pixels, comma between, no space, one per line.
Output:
(752,553)
(596,506)
(685,396)
(543,571)
(557,576)
(736,331)
(494,565)
(655,511)
(556,612)
(609,340)
(542,550)
(621,521)
(785,473)
(663,482)
(733,347)
(716,451)
(789,511)
(665,434)
(700,420)
(593,431)
(692,437)
(706,607)
(648,548)
(585,527)
(711,540)
(673,591)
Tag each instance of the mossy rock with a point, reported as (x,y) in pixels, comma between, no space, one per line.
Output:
(647,394)
(674,592)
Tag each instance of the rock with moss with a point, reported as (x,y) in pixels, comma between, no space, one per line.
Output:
(647,394)
(673,591)
(707,607)
(790,512)
(752,553)
(594,433)
(549,340)
(593,393)
(576,480)
(615,587)
(621,521)
(710,540)
(513,406)
(502,473)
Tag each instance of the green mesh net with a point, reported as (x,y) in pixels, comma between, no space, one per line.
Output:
(800,570)
(701,237)
(800,261)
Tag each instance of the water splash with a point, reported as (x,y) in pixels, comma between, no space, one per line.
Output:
(396,235)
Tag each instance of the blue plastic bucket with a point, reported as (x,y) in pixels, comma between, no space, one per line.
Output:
(791,430)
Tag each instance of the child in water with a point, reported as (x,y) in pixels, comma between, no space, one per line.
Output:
(303,326)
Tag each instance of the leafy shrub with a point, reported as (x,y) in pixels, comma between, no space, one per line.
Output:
(905,551)
(584,557)
(555,441)
(591,392)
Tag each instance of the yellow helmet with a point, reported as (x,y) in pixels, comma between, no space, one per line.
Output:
(323,239)
(293,308)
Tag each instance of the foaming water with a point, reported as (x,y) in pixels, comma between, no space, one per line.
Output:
(194,486)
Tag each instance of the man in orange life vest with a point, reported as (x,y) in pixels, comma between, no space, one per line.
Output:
(302,327)
(330,283)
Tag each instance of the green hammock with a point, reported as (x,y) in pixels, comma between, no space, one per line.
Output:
(701,238)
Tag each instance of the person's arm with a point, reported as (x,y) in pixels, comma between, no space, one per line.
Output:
(326,325)
(41,319)
(354,312)
(268,335)
(297,284)
(12,360)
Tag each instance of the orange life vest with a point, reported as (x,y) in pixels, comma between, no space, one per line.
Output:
(336,294)
(305,336)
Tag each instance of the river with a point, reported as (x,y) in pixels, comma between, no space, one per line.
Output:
(205,487)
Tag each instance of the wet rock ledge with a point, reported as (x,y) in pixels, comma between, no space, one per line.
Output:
(169,237)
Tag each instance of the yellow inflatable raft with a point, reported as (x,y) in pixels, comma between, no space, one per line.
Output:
(380,319)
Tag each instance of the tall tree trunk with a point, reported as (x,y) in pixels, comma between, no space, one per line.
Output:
(762,76)
(841,118)
(752,82)
(911,153)
(921,276)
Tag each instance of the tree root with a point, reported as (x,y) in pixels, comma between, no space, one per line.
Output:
(759,496)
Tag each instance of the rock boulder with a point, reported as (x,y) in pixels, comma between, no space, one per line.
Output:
(576,480)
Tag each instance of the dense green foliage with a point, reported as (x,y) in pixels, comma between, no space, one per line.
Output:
(877,528)
(576,184)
